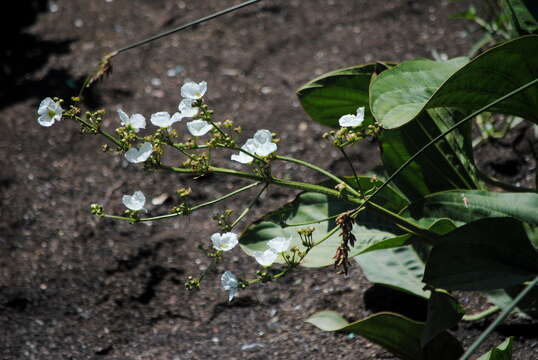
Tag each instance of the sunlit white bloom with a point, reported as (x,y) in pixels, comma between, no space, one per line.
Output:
(279,244)
(224,242)
(194,91)
(352,120)
(163,119)
(139,155)
(265,258)
(230,283)
(199,127)
(137,121)
(49,111)
(186,109)
(265,144)
(250,147)
(134,202)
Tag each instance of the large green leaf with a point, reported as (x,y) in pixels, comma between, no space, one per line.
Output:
(399,268)
(340,92)
(501,352)
(486,254)
(400,94)
(464,206)
(396,333)
(446,165)
(444,312)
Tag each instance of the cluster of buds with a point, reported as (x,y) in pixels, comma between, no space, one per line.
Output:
(306,237)
(345,222)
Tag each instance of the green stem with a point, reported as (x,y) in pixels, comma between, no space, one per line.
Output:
(437,138)
(502,316)
(321,171)
(328,235)
(247,209)
(352,169)
(100,131)
(482,314)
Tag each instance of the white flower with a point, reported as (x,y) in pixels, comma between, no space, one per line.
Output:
(194,91)
(186,109)
(134,202)
(279,244)
(352,120)
(199,127)
(135,155)
(261,144)
(250,147)
(137,121)
(49,111)
(265,144)
(224,242)
(229,283)
(163,119)
(265,258)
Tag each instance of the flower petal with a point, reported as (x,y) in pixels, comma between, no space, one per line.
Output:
(230,283)
(161,119)
(44,106)
(134,202)
(349,121)
(199,127)
(124,118)
(137,121)
(242,158)
(177,117)
(263,136)
(279,244)
(266,149)
(194,91)
(265,258)
(135,155)
(45,120)
(186,109)
(224,242)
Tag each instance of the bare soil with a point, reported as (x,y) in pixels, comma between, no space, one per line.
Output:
(73,286)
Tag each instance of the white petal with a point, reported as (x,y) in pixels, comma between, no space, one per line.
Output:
(135,155)
(228,241)
(134,202)
(193,90)
(349,121)
(242,158)
(230,283)
(265,258)
(266,149)
(177,117)
(279,244)
(199,127)
(161,119)
(137,121)
(360,114)
(186,109)
(45,120)
(124,118)
(263,136)
(44,105)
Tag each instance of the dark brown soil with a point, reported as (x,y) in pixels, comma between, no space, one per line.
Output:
(76,287)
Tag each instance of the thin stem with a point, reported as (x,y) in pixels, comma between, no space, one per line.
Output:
(183,27)
(328,235)
(247,209)
(321,171)
(437,138)
(314,221)
(352,169)
(502,316)
(99,130)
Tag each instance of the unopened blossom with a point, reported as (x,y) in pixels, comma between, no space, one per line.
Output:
(186,109)
(230,283)
(224,242)
(194,91)
(136,121)
(163,119)
(49,111)
(352,120)
(265,258)
(199,127)
(134,202)
(279,244)
(243,158)
(139,155)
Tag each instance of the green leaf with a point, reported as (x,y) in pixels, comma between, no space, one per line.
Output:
(527,307)
(446,165)
(399,268)
(444,312)
(501,352)
(525,15)
(396,333)
(486,254)
(399,95)
(340,92)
